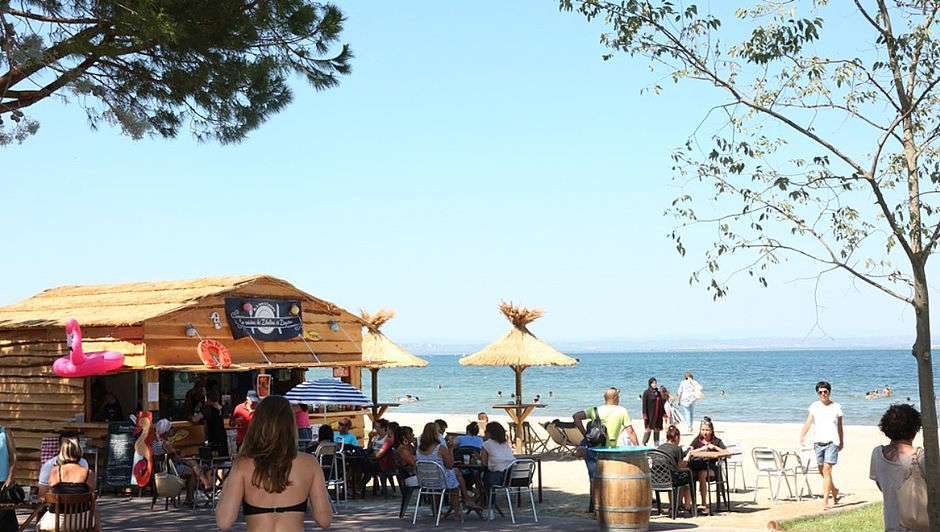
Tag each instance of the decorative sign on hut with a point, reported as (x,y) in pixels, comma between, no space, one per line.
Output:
(264,319)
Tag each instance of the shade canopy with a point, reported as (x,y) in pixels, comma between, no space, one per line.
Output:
(380,352)
(519,347)
(327,392)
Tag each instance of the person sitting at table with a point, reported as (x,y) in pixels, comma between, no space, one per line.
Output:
(68,477)
(471,438)
(343,435)
(705,469)
(496,454)
(188,469)
(325,437)
(681,461)
(271,482)
(430,449)
(404,448)
(442,428)
(46,470)
(378,434)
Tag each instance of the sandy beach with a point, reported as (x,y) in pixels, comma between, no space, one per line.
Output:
(566,482)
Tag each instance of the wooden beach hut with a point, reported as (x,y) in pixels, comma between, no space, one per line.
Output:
(378,352)
(269,326)
(518,349)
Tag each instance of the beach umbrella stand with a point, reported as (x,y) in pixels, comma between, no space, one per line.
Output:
(518,349)
(378,352)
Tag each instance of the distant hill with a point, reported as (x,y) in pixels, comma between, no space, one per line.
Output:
(613,345)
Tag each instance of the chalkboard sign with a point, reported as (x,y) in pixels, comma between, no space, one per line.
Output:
(120,454)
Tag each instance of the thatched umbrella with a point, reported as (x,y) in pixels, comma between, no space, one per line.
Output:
(379,352)
(518,349)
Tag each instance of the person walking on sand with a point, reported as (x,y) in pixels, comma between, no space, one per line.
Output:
(689,392)
(615,419)
(825,416)
(653,412)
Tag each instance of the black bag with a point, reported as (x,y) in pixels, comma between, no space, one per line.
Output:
(596,435)
(13,494)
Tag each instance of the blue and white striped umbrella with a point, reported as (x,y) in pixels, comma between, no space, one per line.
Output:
(327,392)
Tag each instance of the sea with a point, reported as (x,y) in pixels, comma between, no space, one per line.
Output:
(757,386)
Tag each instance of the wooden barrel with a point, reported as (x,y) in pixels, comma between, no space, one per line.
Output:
(622,488)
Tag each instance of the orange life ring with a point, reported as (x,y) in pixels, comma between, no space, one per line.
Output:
(214,354)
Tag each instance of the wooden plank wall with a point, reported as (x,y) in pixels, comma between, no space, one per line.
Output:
(36,402)
(167,343)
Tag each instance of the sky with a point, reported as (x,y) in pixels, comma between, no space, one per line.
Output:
(478,152)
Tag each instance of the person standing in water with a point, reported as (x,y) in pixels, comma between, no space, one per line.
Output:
(825,416)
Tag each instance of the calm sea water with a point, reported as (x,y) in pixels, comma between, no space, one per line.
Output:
(761,386)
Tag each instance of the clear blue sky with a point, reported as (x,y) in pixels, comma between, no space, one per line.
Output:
(478,152)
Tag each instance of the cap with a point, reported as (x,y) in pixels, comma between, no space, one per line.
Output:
(252,396)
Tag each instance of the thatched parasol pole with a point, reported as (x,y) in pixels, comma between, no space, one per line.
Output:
(375,391)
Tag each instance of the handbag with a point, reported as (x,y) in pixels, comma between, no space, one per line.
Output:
(697,390)
(912,498)
(168,483)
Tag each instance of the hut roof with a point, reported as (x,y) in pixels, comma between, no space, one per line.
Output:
(380,352)
(116,305)
(519,347)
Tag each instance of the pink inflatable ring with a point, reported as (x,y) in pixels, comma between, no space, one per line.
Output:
(81,364)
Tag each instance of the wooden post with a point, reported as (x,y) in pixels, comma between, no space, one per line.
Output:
(375,392)
(520,430)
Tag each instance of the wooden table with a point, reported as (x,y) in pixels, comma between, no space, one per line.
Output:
(721,458)
(518,412)
(378,410)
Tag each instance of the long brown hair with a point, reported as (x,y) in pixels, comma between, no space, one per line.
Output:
(271,442)
(430,437)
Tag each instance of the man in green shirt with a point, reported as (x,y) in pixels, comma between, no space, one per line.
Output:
(615,418)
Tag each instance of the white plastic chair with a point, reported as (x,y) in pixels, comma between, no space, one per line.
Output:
(770,464)
(735,465)
(333,471)
(432,480)
(517,479)
(805,466)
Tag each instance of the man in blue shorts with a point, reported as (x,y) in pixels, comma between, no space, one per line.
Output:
(825,415)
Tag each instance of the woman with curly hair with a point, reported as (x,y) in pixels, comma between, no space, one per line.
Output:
(270,481)
(890,464)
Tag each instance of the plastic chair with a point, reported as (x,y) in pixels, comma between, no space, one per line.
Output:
(333,471)
(73,512)
(805,466)
(736,465)
(662,473)
(432,480)
(516,480)
(770,464)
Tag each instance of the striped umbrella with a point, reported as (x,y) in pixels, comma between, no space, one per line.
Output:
(327,392)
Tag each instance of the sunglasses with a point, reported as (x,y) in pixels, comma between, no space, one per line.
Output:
(823,391)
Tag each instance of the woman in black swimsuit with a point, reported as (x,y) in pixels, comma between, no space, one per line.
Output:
(271,482)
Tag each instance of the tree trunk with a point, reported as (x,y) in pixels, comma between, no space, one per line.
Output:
(928,408)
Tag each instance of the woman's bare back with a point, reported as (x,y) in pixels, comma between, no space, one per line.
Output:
(305,482)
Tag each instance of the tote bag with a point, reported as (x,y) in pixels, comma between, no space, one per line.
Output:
(912,498)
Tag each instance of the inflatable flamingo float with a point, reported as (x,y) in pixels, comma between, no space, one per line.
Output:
(143,453)
(81,364)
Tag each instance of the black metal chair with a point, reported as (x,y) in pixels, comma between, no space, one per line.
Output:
(666,476)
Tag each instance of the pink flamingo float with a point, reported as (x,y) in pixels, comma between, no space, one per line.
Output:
(81,364)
